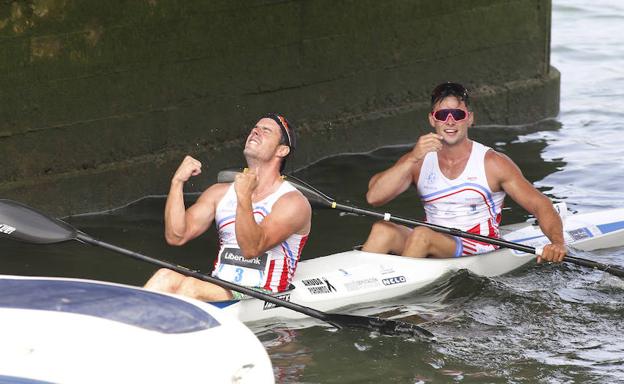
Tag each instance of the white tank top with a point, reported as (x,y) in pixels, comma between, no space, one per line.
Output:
(466,202)
(274,269)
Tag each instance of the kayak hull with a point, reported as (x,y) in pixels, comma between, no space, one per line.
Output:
(354,277)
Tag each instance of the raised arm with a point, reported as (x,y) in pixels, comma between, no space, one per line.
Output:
(387,185)
(507,174)
(181,224)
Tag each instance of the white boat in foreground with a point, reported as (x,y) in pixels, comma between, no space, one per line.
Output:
(354,277)
(56,330)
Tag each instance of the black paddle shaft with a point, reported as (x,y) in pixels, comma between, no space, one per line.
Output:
(22,223)
(437,228)
(383,326)
(201,276)
(612,269)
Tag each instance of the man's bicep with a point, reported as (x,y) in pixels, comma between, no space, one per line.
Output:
(198,219)
(519,188)
(288,216)
(200,215)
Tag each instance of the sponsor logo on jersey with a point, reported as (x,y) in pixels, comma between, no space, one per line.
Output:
(234,256)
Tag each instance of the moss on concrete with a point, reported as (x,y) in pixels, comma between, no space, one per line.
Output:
(100,100)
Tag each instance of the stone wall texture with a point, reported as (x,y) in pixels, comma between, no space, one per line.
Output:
(100,100)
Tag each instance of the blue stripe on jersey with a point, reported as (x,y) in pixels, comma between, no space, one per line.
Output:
(461,186)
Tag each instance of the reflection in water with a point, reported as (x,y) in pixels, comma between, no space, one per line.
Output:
(289,356)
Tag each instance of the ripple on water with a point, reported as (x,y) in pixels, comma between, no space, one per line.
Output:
(545,321)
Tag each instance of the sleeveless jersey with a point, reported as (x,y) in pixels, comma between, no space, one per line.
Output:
(274,269)
(466,202)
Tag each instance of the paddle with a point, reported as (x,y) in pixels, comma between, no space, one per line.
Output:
(319,199)
(20,222)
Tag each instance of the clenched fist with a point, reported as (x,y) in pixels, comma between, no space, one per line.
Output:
(553,253)
(189,167)
(431,142)
(245,183)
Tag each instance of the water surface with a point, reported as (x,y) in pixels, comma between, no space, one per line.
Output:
(554,324)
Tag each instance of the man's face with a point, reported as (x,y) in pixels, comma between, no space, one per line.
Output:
(442,119)
(264,140)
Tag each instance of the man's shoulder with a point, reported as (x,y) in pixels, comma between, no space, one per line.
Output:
(295,196)
(218,189)
(500,166)
(294,199)
(215,192)
(291,189)
(492,155)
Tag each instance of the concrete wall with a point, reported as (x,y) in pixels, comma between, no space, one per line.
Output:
(100,100)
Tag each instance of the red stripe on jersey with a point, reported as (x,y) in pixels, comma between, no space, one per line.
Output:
(490,208)
(476,242)
(468,246)
(289,270)
(284,278)
(234,219)
(476,229)
(302,243)
(492,230)
(267,285)
(227,223)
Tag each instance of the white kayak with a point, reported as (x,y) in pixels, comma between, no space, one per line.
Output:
(82,331)
(355,277)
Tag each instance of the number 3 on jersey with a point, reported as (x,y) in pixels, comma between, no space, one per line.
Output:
(239,275)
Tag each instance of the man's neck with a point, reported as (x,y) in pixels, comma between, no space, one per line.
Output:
(268,177)
(456,151)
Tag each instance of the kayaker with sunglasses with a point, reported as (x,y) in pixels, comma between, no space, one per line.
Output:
(461,183)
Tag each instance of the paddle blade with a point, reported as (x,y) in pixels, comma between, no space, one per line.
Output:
(20,222)
(382,326)
(316,198)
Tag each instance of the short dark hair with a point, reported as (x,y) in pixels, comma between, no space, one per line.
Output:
(447,89)
(289,137)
